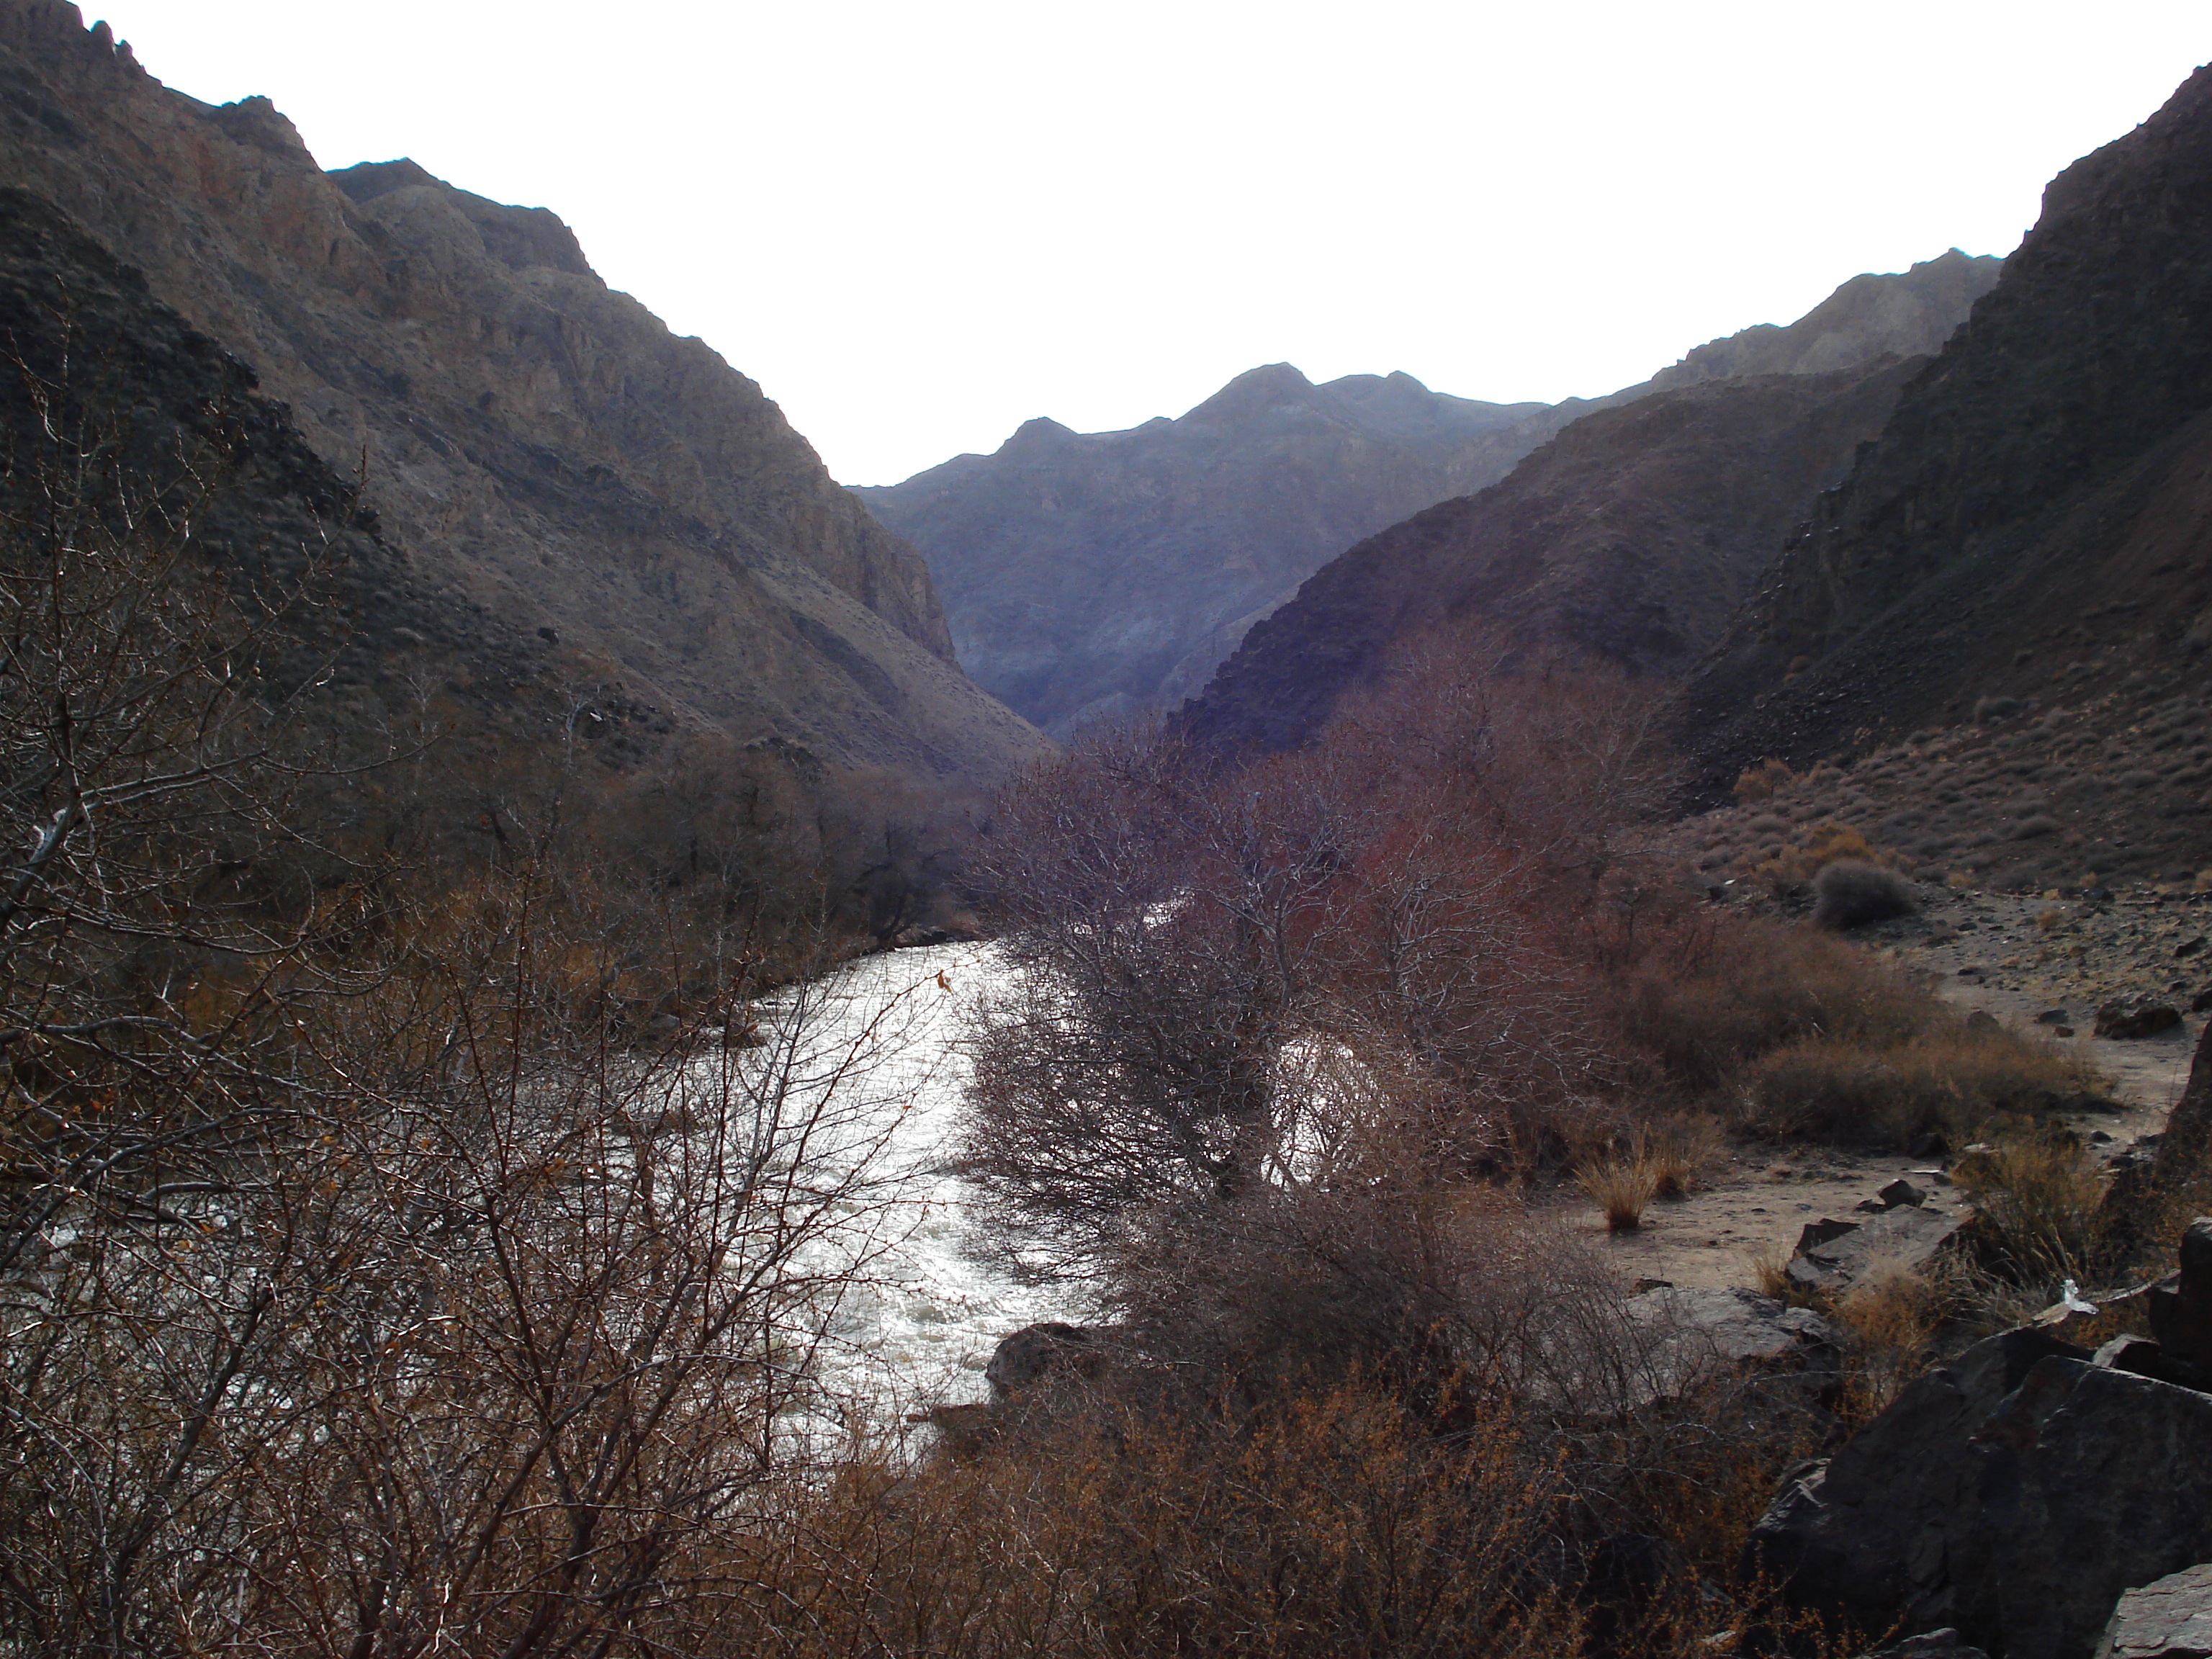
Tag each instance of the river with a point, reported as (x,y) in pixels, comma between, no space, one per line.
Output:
(915,1323)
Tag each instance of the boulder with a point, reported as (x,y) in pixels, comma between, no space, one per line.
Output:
(1044,1350)
(1817,1233)
(1692,1335)
(2129,1018)
(2169,1619)
(2014,1493)
(2180,1305)
(1833,1255)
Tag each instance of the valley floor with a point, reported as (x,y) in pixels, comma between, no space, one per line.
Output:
(2013,956)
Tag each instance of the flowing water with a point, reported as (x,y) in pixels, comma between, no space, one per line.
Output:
(884,1037)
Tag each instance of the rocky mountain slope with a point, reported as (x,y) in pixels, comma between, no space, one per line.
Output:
(1909,314)
(1088,573)
(1632,535)
(572,497)
(2032,532)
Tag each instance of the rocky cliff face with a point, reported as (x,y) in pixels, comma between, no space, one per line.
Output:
(1908,315)
(1090,572)
(562,480)
(1632,535)
(2035,522)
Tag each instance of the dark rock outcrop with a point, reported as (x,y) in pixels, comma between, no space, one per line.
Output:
(1051,1348)
(568,484)
(2035,520)
(2126,1018)
(2014,1494)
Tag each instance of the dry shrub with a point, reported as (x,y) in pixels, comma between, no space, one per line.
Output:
(1949,1081)
(2036,1196)
(1889,1317)
(1851,893)
(1327,1523)
(1723,990)
(1385,1424)
(1826,842)
(1764,780)
(1324,1523)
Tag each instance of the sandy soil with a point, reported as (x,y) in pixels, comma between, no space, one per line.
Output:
(2013,957)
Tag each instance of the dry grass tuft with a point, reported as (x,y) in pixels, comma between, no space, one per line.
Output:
(1679,1151)
(1621,1186)
(1827,842)
(1699,1012)
(1770,1267)
(2036,1198)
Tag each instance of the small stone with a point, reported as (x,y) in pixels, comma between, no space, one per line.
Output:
(1900,1192)
(2190,947)
(2051,1017)
(1981,1020)
(2066,1030)
(2202,1002)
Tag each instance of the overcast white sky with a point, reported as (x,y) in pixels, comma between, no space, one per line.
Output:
(919,224)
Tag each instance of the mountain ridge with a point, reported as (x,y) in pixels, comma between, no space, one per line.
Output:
(1094,568)
(2034,522)
(571,478)
(1071,595)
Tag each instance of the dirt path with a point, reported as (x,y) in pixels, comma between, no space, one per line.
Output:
(2020,957)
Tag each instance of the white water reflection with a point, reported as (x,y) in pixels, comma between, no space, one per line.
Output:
(917,1318)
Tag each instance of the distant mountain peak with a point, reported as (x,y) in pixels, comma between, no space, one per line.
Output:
(1271,385)
(1041,433)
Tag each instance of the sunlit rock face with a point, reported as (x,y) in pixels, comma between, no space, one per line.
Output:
(580,498)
